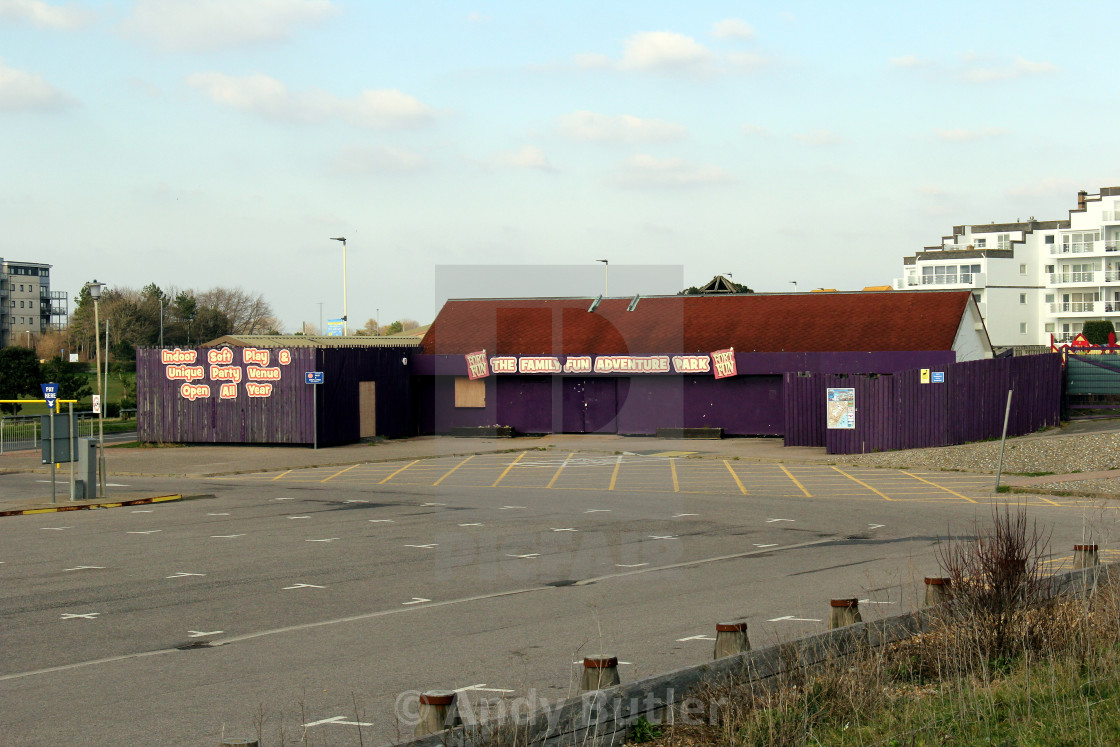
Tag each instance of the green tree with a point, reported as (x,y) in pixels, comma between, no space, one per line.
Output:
(1096,331)
(19,375)
(72,378)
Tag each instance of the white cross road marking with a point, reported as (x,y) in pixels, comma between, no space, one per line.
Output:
(876,526)
(523,557)
(697,638)
(286,498)
(143,511)
(86,616)
(304,586)
(568,529)
(181,574)
(631,565)
(225,536)
(771,521)
(416,600)
(356,500)
(217,514)
(57,529)
(146,531)
(774,545)
(791,618)
(663,537)
(424,547)
(503,508)
(299,517)
(475,524)
(597,511)
(201,633)
(381,521)
(329,539)
(340,720)
(677,516)
(85,567)
(482,688)
(433,504)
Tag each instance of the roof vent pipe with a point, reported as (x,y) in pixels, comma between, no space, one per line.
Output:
(634,303)
(595,304)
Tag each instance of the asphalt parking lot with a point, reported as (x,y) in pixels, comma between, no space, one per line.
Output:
(310,600)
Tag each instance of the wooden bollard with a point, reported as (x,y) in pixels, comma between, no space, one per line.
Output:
(1085,556)
(234,742)
(731,639)
(599,672)
(937,590)
(437,712)
(844,612)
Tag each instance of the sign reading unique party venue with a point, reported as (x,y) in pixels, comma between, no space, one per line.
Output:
(224,372)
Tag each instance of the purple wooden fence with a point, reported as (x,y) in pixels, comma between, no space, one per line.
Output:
(897,411)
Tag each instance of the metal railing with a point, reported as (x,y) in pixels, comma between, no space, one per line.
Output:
(1072,307)
(19,433)
(962,278)
(1111,276)
(1110,215)
(1061,278)
(1080,247)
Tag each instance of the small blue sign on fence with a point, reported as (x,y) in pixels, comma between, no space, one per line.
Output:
(50,393)
(937,377)
(313,377)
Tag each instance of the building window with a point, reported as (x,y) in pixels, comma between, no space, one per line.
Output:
(1003,241)
(1022,269)
(977,297)
(1079,241)
(470,393)
(1049,298)
(1049,326)
(980,243)
(1023,299)
(1022,328)
(1049,268)
(1050,240)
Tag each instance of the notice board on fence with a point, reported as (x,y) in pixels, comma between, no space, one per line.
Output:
(841,408)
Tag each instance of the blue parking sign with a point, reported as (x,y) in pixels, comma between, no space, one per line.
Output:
(937,377)
(50,393)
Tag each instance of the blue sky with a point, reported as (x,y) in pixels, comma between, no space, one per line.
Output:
(222,142)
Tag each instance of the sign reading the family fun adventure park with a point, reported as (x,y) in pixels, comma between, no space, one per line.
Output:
(723,362)
(223,374)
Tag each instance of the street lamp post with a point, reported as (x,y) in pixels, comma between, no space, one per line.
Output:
(794,284)
(344,313)
(606,277)
(95,294)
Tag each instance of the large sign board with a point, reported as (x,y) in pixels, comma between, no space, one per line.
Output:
(840,410)
(223,375)
(721,362)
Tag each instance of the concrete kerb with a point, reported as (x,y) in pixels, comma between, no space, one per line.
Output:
(603,717)
(89,505)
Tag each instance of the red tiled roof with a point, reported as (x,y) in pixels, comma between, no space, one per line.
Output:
(799,322)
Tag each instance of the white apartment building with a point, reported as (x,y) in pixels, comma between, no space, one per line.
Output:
(1032,278)
(28,307)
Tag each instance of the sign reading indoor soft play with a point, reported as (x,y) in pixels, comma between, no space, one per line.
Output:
(223,375)
(722,362)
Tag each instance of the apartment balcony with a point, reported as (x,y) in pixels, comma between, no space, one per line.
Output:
(1076,307)
(1110,216)
(1112,276)
(956,280)
(1085,247)
(1072,278)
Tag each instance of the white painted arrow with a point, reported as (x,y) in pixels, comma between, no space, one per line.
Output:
(569,529)
(677,516)
(219,514)
(150,531)
(86,616)
(57,529)
(697,638)
(142,511)
(771,521)
(791,618)
(482,688)
(527,556)
(304,586)
(380,521)
(424,547)
(416,600)
(201,633)
(475,524)
(876,526)
(631,565)
(760,546)
(340,720)
(299,517)
(181,574)
(663,537)
(85,567)
(503,508)
(433,504)
(597,511)
(225,536)
(329,539)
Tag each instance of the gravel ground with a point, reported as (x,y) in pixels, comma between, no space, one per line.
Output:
(1040,453)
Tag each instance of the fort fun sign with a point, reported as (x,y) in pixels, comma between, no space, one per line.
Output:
(223,372)
(722,362)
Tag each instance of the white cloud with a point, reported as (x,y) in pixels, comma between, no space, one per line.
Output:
(378,159)
(44,15)
(208,24)
(732,28)
(753,130)
(1020,68)
(961,135)
(268,97)
(477,17)
(624,128)
(664,51)
(24,91)
(1052,186)
(592,60)
(645,171)
(818,138)
(529,157)
(907,61)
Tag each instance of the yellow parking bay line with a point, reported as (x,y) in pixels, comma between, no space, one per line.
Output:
(281,475)
(673,469)
(508,468)
(942,487)
(614,474)
(336,474)
(402,469)
(795,481)
(448,472)
(738,482)
(559,470)
(884,496)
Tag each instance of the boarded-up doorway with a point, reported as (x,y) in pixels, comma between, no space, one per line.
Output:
(367,409)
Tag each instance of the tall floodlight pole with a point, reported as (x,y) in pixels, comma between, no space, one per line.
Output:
(794,284)
(321,330)
(606,277)
(95,294)
(344,314)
